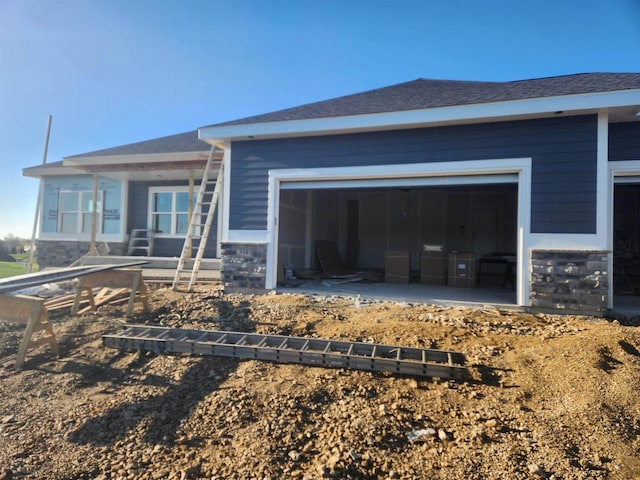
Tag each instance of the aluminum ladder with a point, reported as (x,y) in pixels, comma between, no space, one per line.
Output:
(286,349)
(140,239)
(198,232)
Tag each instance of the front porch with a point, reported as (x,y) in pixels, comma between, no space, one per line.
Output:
(159,269)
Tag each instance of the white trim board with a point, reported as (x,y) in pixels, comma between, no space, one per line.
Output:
(624,171)
(482,169)
(496,111)
(402,182)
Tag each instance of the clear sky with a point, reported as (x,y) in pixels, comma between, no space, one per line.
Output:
(112,72)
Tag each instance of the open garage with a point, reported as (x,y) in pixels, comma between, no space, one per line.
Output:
(408,231)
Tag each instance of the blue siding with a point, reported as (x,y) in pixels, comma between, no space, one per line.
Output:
(138,210)
(624,141)
(563,152)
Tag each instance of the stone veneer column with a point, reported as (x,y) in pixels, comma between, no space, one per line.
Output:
(244,266)
(56,253)
(570,281)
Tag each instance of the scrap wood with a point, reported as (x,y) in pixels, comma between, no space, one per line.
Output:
(64,301)
(100,297)
(104,296)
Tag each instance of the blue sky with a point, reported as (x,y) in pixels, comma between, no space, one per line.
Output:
(113,72)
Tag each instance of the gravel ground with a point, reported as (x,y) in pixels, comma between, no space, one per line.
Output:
(547,396)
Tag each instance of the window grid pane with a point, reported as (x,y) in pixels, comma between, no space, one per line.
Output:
(69,222)
(68,201)
(161,223)
(182,202)
(162,202)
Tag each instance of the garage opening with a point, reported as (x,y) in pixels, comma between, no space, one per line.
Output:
(453,235)
(626,241)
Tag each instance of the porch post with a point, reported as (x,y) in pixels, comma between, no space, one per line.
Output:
(188,246)
(94,217)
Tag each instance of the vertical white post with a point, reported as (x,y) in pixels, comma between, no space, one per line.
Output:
(93,251)
(40,197)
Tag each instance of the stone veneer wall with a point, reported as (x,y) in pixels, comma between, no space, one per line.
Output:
(54,253)
(244,266)
(571,281)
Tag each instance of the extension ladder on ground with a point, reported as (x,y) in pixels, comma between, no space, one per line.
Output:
(285,349)
(198,232)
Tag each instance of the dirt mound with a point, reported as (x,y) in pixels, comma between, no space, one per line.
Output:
(548,396)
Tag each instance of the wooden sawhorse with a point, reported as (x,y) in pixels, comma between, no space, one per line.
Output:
(116,278)
(32,312)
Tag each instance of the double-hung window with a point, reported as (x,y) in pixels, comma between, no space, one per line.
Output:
(169,210)
(75,211)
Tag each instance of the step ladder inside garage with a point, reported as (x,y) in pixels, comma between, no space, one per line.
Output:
(199,224)
(285,349)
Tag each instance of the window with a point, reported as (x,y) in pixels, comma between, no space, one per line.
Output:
(75,211)
(169,210)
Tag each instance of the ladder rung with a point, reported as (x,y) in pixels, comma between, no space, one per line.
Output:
(202,337)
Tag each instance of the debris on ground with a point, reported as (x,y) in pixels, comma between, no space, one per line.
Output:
(549,396)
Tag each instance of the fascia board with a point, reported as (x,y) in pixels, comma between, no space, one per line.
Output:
(38,172)
(142,158)
(423,117)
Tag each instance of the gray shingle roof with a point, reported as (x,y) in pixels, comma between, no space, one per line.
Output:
(181,142)
(424,93)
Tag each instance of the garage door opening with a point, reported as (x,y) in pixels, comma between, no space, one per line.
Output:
(626,243)
(367,226)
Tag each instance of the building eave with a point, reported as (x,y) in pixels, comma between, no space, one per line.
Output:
(483,112)
(46,171)
(89,162)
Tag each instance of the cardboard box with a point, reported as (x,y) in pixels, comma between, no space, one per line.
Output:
(461,270)
(433,268)
(397,266)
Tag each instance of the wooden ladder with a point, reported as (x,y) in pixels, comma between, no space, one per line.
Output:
(198,232)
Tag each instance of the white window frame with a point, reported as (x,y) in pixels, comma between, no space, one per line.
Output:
(80,212)
(174,214)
